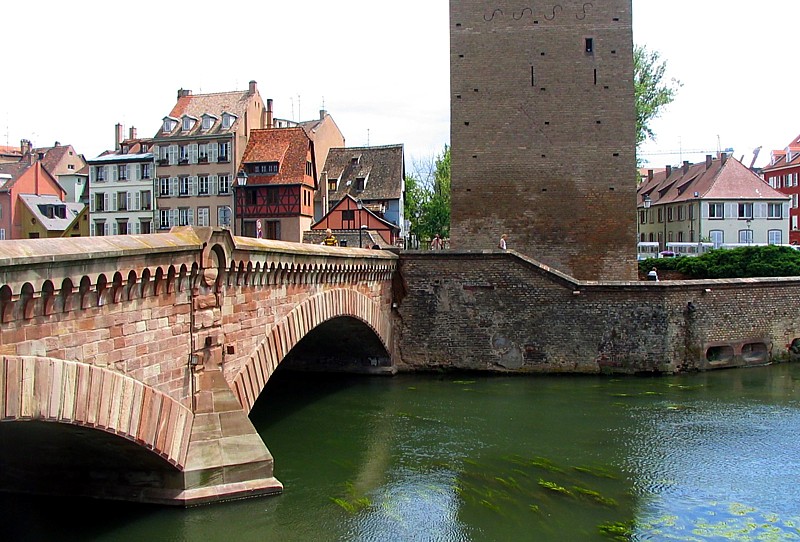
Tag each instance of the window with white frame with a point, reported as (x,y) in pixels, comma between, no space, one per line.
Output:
(224,152)
(774,237)
(202,185)
(746,211)
(717,237)
(775,210)
(203,214)
(716,211)
(794,201)
(746,236)
(100,173)
(122,227)
(188,123)
(208,122)
(163,186)
(184,186)
(146,171)
(122,201)
(223,215)
(168,125)
(224,184)
(183,157)
(99,201)
(185,216)
(122,172)
(794,222)
(165,218)
(227,120)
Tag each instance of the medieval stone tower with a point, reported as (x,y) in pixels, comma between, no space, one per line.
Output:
(543,132)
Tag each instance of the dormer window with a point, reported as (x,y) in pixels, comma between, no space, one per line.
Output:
(144,147)
(361,182)
(188,123)
(355,159)
(169,124)
(268,168)
(332,185)
(208,122)
(228,120)
(125,149)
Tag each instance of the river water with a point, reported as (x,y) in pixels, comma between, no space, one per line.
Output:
(463,458)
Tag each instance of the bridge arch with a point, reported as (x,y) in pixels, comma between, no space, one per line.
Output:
(287,333)
(69,392)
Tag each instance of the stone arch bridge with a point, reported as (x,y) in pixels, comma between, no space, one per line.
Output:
(131,362)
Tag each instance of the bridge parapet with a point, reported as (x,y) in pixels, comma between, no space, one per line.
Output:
(190,315)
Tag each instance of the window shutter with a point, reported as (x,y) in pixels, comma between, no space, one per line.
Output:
(155,151)
(731,210)
(193,185)
(113,202)
(137,228)
(213,151)
(193,153)
(190,217)
(114,229)
(704,210)
(105,228)
(785,210)
(173,155)
(106,202)
(128,201)
(137,201)
(136,172)
(173,188)
(213,189)
(91,202)
(173,217)
(760,210)
(113,173)
(92,174)
(91,229)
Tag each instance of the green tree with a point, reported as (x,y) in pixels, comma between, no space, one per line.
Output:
(427,197)
(652,93)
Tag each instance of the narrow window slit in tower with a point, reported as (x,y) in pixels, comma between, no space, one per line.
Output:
(616,154)
(533,77)
(460,56)
(589,45)
(595,77)
(466,123)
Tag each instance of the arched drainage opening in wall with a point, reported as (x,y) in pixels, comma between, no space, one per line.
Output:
(794,348)
(719,354)
(755,353)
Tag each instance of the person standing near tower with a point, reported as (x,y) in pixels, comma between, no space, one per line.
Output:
(502,244)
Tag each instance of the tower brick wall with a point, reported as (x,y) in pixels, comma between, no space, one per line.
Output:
(543,132)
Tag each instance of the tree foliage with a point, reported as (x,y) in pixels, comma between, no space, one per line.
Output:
(742,262)
(652,92)
(427,198)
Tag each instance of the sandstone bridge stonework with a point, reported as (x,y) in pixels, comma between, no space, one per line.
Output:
(130,363)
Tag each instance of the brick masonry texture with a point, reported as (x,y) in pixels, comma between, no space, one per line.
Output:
(544,131)
(504,312)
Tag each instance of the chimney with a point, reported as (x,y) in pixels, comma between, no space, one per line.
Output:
(649,174)
(118,136)
(269,113)
(132,133)
(252,88)
(57,144)
(723,157)
(709,159)
(183,93)
(669,172)
(322,114)
(685,167)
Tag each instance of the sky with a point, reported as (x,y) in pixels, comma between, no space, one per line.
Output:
(74,70)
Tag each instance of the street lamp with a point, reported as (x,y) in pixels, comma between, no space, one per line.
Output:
(749,233)
(241,180)
(647,202)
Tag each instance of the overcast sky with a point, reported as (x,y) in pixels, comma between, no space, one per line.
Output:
(75,69)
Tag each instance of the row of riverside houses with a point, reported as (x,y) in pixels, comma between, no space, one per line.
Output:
(223,160)
(43,192)
(722,202)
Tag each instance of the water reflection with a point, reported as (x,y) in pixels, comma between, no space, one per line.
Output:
(453,459)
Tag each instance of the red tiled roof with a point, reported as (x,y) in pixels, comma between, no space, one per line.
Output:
(195,105)
(731,180)
(287,146)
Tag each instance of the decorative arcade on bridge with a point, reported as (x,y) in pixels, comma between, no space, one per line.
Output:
(132,362)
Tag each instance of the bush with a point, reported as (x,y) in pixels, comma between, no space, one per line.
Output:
(742,262)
